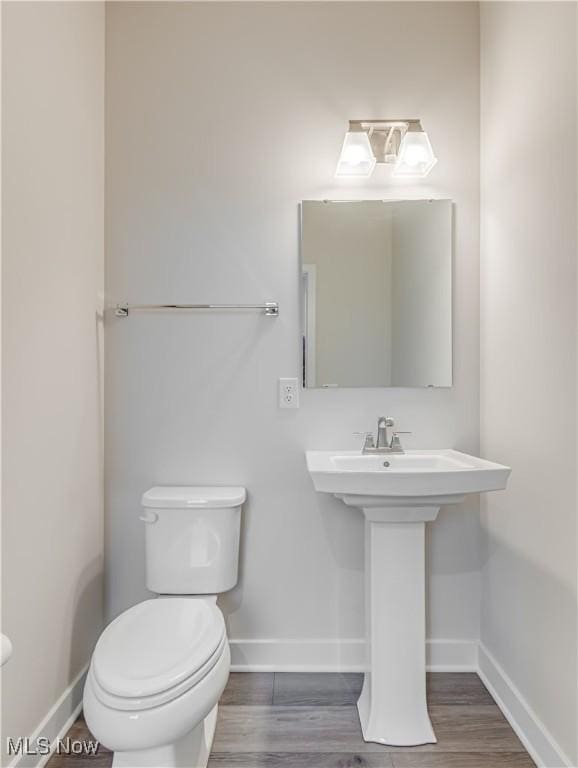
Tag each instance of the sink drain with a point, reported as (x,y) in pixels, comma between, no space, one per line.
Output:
(386,463)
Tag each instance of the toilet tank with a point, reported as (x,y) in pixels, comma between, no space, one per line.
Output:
(192,538)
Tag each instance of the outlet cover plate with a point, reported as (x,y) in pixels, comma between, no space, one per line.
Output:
(288,393)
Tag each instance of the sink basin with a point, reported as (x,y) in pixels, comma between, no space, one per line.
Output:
(398,494)
(431,477)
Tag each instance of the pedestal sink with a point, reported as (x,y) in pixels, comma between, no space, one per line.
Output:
(398,494)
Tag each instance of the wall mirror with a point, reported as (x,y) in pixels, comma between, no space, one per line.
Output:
(376,293)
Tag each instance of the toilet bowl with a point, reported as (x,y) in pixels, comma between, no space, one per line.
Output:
(158,670)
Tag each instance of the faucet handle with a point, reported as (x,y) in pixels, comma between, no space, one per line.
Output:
(369,440)
(395,441)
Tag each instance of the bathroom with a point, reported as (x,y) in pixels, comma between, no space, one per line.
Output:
(160,153)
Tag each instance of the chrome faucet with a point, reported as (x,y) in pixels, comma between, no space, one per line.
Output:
(382,424)
(383,444)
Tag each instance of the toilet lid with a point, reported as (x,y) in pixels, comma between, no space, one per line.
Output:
(156,645)
(191,497)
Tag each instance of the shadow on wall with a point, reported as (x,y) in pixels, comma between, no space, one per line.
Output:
(452,549)
(518,591)
(347,553)
(522,582)
(230,602)
(87,612)
(336,517)
(344,531)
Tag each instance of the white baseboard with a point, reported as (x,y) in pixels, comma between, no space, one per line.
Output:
(297,655)
(535,737)
(339,655)
(56,724)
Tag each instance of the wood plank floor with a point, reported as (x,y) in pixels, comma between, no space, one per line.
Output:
(284,720)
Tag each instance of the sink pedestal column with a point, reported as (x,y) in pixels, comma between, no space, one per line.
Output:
(392,706)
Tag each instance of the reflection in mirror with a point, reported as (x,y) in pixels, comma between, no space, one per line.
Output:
(376,293)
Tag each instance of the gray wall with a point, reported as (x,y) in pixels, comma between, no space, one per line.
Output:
(528,356)
(221,118)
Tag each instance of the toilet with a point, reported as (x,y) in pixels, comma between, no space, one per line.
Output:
(159,669)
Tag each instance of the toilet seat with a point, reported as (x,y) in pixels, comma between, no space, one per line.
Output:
(156,651)
(140,703)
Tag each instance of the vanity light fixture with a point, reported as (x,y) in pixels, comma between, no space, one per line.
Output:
(402,143)
(357,158)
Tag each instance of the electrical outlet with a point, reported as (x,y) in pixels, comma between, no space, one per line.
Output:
(288,393)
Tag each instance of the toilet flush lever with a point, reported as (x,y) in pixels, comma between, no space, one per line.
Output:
(149,517)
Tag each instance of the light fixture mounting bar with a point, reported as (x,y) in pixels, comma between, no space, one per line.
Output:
(385,135)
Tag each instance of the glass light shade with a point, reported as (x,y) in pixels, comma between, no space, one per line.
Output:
(415,158)
(356,157)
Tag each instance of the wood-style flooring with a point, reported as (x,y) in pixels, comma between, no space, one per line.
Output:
(287,720)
